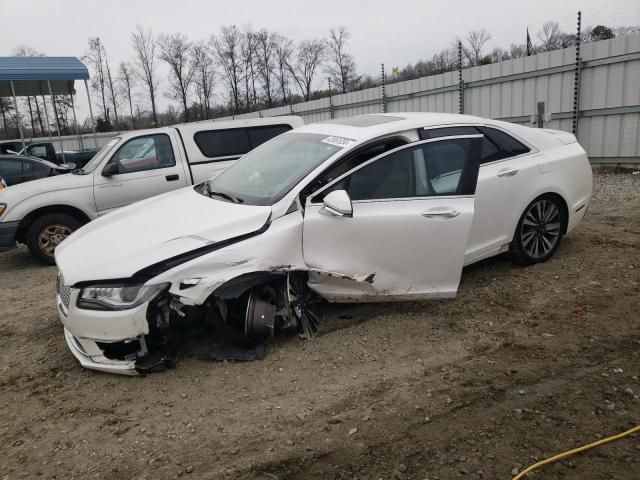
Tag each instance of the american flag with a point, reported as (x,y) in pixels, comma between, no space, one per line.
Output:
(529,44)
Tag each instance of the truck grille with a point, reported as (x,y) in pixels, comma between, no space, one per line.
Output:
(63,290)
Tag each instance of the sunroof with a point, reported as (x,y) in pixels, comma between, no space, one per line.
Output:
(364,120)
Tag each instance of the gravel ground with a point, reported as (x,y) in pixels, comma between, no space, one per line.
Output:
(524,363)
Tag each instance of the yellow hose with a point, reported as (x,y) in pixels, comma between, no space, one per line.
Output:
(560,456)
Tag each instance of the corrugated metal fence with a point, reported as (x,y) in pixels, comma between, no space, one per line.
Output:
(609,116)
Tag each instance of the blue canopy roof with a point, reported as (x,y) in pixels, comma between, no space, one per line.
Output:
(30,74)
(42,68)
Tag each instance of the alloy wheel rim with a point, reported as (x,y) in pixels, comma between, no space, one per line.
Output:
(540,231)
(303,305)
(51,236)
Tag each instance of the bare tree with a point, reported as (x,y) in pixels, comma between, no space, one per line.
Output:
(6,109)
(175,50)
(126,79)
(266,61)
(27,51)
(248,52)
(145,50)
(517,51)
(204,76)
(341,67)
(113,89)
(283,49)
(628,30)
(226,50)
(498,55)
(309,56)
(95,58)
(550,36)
(444,61)
(475,43)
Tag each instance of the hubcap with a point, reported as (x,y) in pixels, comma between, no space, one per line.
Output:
(540,231)
(51,236)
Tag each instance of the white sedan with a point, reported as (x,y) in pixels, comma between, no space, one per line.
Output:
(366,208)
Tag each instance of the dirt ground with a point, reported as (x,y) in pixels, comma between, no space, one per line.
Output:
(524,363)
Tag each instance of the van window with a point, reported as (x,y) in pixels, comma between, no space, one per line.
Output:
(235,141)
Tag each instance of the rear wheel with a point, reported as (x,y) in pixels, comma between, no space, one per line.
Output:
(539,231)
(47,232)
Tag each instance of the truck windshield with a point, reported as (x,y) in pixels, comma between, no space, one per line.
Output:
(98,157)
(265,175)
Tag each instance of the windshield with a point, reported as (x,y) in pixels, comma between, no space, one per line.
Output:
(265,175)
(97,158)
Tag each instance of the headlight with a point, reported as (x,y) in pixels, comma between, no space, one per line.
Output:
(117,297)
(3,207)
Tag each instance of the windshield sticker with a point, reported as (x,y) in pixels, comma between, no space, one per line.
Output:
(338,141)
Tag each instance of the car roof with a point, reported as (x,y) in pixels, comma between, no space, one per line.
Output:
(365,127)
(10,156)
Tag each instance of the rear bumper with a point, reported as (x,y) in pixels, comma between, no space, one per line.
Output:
(8,235)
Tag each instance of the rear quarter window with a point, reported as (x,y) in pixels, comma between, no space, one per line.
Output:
(509,146)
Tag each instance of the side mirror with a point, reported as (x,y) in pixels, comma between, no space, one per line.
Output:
(111,169)
(66,167)
(338,203)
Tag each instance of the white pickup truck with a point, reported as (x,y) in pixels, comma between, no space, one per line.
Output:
(131,167)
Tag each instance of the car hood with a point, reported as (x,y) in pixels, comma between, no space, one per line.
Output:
(125,241)
(18,193)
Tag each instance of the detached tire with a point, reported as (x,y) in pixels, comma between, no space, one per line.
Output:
(539,231)
(46,233)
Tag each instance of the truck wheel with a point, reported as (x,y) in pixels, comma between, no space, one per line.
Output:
(46,232)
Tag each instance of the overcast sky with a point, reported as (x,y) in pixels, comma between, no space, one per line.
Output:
(395,32)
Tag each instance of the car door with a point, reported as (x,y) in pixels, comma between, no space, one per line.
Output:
(33,170)
(507,168)
(412,210)
(142,167)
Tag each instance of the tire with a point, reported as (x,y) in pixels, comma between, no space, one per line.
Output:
(539,231)
(46,232)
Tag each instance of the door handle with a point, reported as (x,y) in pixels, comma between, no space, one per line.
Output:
(172,178)
(508,172)
(450,213)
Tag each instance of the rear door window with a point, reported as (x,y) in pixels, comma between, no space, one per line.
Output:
(496,144)
(10,167)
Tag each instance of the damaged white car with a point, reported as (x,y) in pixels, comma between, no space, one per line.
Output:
(367,208)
